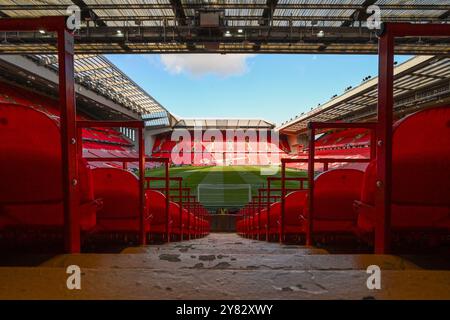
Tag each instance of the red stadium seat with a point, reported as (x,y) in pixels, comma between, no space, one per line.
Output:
(30,169)
(334,194)
(119,190)
(262,231)
(185,224)
(294,211)
(420,175)
(274,219)
(191,225)
(174,213)
(157,210)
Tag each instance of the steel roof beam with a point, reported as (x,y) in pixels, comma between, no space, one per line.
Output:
(397,18)
(268,12)
(445,15)
(249,6)
(87,13)
(360,14)
(178,11)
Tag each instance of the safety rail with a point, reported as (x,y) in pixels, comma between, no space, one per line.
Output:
(311,160)
(141,159)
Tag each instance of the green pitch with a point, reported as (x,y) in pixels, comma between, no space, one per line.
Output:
(228,175)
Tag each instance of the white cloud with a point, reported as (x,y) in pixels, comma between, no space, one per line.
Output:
(202,64)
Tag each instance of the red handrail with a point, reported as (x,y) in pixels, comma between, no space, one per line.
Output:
(311,160)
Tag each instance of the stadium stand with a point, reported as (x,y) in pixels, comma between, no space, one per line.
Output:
(345,144)
(31,197)
(239,151)
(421,175)
(30,164)
(119,190)
(344,198)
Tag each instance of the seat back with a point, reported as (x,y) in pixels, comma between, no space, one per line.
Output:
(420,161)
(30,158)
(174,211)
(421,158)
(156,203)
(294,203)
(335,192)
(119,190)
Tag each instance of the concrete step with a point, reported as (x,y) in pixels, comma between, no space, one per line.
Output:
(221,266)
(50,283)
(177,261)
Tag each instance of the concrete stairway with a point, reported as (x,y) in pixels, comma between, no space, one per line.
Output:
(223,266)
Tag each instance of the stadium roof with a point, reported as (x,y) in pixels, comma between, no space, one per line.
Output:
(223,124)
(278,26)
(97,73)
(418,80)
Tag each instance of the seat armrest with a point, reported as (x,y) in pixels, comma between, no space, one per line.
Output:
(97,204)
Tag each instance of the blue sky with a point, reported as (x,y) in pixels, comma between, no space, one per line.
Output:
(273,87)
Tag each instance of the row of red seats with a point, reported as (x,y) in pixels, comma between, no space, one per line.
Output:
(342,138)
(105,136)
(344,199)
(31,196)
(214,152)
(96,138)
(119,191)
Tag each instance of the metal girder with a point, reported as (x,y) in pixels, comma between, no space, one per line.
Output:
(360,14)
(88,13)
(268,12)
(178,11)
(189,39)
(226,5)
(305,18)
(445,15)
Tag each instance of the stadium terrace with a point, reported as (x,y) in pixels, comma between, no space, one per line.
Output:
(106,194)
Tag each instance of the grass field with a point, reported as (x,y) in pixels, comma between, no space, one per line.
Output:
(228,175)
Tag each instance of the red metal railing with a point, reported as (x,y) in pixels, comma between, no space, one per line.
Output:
(283,190)
(66,90)
(141,159)
(311,160)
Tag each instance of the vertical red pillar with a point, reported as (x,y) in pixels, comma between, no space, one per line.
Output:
(189,213)
(259,214)
(68,141)
(180,202)
(142,233)
(373,144)
(311,162)
(80,143)
(283,200)
(166,168)
(384,142)
(268,210)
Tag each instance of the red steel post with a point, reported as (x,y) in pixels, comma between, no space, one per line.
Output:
(142,233)
(384,143)
(283,200)
(311,162)
(268,210)
(69,136)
